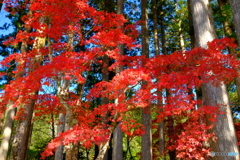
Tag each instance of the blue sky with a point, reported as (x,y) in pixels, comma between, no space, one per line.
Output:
(3,20)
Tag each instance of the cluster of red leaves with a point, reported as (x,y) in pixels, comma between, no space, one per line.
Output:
(144,77)
(132,128)
(192,133)
(88,136)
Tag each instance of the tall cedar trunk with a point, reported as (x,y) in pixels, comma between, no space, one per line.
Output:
(59,152)
(64,119)
(117,134)
(105,77)
(117,144)
(9,123)
(7,131)
(29,138)
(63,125)
(53,126)
(191,28)
(146,115)
(20,143)
(215,96)
(163,37)
(8,127)
(157,52)
(170,126)
(70,149)
(155,28)
(104,148)
(181,39)
(235,5)
(161,139)
(172,154)
(22,136)
(1,123)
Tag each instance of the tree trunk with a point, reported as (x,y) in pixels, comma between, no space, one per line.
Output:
(71,149)
(1,123)
(7,131)
(191,28)
(9,123)
(103,148)
(155,28)
(59,152)
(64,119)
(161,140)
(181,39)
(29,138)
(228,30)
(146,115)
(235,5)
(215,96)
(164,52)
(21,139)
(53,126)
(163,37)
(117,133)
(170,126)
(117,144)
(104,153)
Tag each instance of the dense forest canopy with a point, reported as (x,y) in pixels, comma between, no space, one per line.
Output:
(115,79)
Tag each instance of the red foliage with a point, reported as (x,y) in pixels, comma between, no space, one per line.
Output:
(178,72)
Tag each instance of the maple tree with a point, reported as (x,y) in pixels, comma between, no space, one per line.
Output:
(55,60)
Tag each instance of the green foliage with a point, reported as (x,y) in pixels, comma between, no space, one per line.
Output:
(41,135)
(132,145)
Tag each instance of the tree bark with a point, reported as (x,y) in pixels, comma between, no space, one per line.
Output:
(146,114)
(164,52)
(162,24)
(104,151)
(181,39)
(59,152)
(191,28)
(117,133)
(9,123)
(170,126)
(21,139)
(7,132)
(71,149)
(155,28)
(215,96)
(117,144)
(236,19)
(64,119)
(161,140)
